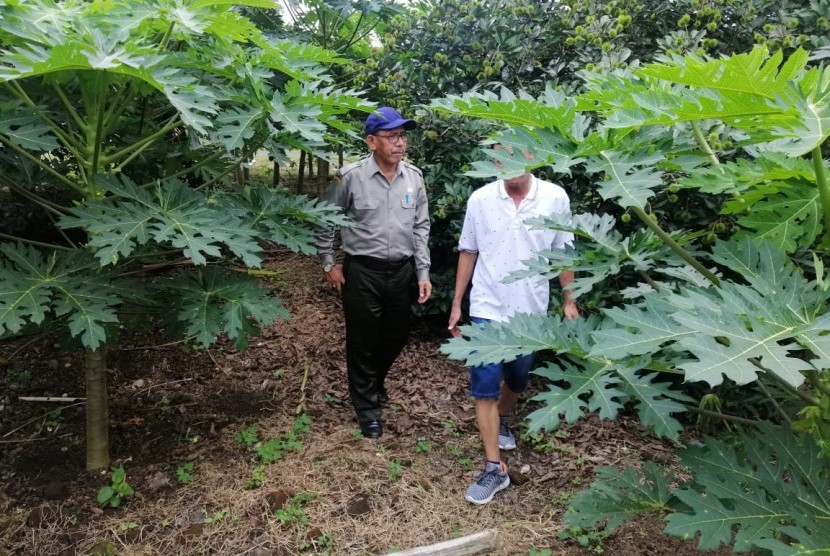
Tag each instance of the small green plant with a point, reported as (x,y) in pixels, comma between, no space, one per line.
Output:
(166,522)
(247,436)
(18,380)
(591,540)
(276,449)
(185,472)
(357,433)
(129,526)
(321,545)
(458,454)
(118,491)
(423,445)
(539,552)
(448,424)
(278,373)
(294,513)
(52,422)
(328,399)
(216,517)
(256,479)
(394,470)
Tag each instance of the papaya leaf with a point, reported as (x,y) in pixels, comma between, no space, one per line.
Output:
(617,496)
(789,220)
(655,402)
(22,128)
(213,302)
(748,492)
(590,388)
(628,178)
(493,342)
(70,285)
(635,330)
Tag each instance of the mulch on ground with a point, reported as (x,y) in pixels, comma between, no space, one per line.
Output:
(334,493)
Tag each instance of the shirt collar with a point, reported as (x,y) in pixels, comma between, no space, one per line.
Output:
(531,194)
(373,166)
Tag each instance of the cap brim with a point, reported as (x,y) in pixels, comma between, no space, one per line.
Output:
(401,122)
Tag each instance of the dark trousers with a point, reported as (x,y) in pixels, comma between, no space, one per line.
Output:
(377,300)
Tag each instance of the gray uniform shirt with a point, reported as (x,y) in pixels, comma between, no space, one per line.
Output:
(391,220)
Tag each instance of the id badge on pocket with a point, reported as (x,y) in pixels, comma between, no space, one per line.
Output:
(408,200)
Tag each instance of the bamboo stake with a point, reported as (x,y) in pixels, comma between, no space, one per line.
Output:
(479,543)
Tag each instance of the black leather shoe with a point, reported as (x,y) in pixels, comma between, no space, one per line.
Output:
(371,429)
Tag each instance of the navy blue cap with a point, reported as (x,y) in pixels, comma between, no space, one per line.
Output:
(387,118)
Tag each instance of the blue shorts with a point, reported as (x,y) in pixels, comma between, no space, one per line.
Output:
(485,380)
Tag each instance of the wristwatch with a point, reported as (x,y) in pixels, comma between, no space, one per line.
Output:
(327,267)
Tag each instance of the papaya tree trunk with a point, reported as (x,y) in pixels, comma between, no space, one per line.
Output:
(275,181)
(322,176)
(301,173)
(97,414)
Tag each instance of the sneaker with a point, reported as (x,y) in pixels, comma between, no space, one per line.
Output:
(506,439)
(487,485)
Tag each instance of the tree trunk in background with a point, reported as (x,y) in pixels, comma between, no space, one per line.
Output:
(275,180)
(301,172)
(322,176)
(310,166)
(97,413)
(340,157)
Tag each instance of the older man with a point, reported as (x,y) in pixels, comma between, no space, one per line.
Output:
(386,262)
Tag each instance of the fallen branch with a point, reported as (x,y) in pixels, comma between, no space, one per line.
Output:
(49,399)
(301,406)
(479,543)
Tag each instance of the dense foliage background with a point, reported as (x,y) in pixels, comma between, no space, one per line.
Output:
(690,136)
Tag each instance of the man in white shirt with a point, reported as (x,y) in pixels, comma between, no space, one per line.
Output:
(494,242)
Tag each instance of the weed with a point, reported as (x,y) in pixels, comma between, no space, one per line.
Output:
(256,479)
(394,470)
(216,517)
(357,433)
(166,522)
(320,545)
(279,373)
(129,526)
(458,454)
(52,422)
(294,513)
(448,424)
(423,445)
(275,449)
(247,436)
(117,491)
(539,552)
(591,540)
(18,380)
(328,398)
(393,407)
(184,473)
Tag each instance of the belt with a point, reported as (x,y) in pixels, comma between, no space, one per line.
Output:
(373,263)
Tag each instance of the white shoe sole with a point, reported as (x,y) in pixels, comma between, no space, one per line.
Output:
(502,486)
(507,446)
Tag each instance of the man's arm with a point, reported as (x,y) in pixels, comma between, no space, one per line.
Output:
(324,237)
(420,230)
(463,275)
(566,277)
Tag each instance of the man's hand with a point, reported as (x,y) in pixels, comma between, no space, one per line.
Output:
(455,316)
(335,278)
(424,291)
(571,310)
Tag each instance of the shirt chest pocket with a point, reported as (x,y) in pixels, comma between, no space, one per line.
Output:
(365,203)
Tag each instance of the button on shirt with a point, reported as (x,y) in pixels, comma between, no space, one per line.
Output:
(391,220)
(495,229)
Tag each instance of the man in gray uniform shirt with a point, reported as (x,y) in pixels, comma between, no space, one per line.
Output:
(386,253)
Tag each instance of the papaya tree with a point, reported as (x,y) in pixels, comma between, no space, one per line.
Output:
(119,122)
(694,317)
